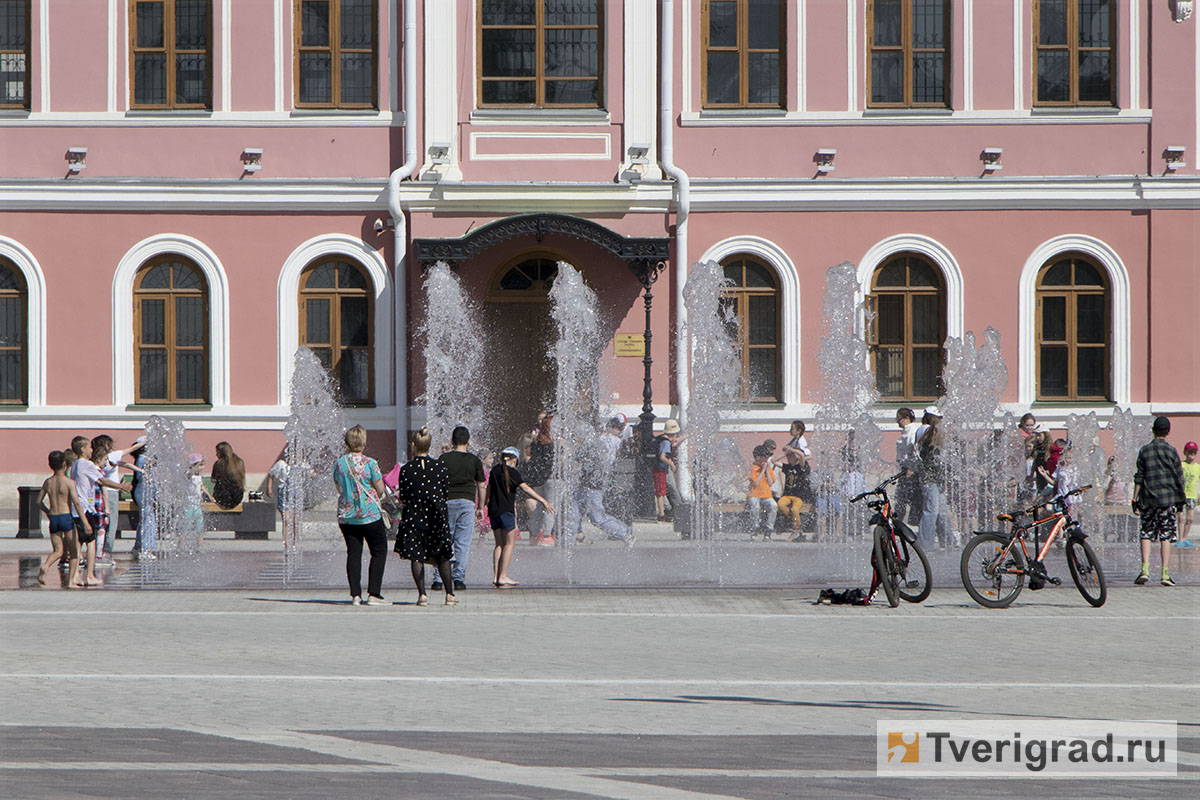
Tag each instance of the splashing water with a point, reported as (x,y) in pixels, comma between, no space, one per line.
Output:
(453,345)
(716,374)
(1086,463)
(847,439)
(178,517)
(314,433)
(573,307)
(1130,432)
(977,483)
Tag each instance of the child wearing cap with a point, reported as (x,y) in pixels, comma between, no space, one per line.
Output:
(1191,491)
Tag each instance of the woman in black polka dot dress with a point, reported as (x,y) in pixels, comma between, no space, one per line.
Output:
(424,534)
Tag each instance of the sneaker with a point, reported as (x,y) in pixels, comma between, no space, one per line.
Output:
(1185,543)
(459,586)
(436,586)
(1142,578)
(544,541)
(1166,581)
(356,601)
(630,539)
(374,600)
(104,562)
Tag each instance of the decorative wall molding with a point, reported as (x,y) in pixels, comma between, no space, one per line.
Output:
(602,153)
(789,285)
(456,251)
(35,318)
(1120,365)
(708,194)
(288,314)
(937,253)
(218,313)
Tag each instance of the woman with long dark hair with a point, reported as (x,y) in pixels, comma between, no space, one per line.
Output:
(228,477)
(423,485)
(935,518)
(500,499)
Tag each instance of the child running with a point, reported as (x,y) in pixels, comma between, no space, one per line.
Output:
(57,500)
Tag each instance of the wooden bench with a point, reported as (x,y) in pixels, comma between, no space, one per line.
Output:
(251,519)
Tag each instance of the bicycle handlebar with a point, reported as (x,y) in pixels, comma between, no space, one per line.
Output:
(1012,515)
(879,489)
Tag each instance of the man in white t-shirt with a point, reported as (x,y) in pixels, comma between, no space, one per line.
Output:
(908,489)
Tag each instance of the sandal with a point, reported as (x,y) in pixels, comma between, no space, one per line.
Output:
(423,600)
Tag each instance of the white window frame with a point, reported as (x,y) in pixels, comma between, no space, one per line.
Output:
(1118,282)
(777,259)
(218,314)
(287,308)
(35,319)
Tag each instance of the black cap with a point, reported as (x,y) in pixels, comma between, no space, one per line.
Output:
(1161,425)
(761,451)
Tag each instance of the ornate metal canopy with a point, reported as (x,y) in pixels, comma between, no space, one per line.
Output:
(641,254)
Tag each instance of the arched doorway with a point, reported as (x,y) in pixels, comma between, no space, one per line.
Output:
(510,265)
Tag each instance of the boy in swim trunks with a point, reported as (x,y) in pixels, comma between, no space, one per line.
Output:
(59,491)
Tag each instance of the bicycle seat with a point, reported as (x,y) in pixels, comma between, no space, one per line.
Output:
(1004,517)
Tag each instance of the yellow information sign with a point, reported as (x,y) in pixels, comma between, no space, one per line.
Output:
(629,345)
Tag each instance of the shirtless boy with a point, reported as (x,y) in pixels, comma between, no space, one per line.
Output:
(59,492)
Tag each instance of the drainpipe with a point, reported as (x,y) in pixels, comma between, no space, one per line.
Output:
(400,225)
(683,201)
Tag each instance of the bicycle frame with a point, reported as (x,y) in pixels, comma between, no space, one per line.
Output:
(1061,519)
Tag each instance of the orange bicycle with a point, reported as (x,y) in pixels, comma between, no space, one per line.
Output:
(994,565)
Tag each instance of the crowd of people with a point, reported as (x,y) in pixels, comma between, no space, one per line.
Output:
(82,498)
(440,504)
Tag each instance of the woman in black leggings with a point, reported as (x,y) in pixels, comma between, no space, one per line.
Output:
(360,485)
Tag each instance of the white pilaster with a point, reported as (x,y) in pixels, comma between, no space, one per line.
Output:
(441,83)
(641,97)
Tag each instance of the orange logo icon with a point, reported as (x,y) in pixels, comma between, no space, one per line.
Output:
(904,748)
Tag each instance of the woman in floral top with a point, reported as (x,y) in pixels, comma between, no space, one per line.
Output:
(424,536)
(360,485)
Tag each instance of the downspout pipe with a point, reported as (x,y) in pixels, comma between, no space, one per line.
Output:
(683,201)
(400,225)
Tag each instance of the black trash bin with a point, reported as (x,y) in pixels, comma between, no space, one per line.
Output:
(29,516)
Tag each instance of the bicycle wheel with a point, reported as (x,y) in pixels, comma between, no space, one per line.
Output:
(886,566)
(916,578)
(1086,572)
(992,572)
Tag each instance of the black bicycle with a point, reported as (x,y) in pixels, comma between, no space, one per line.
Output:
(894,546)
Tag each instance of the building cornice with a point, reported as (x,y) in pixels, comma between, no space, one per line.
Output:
(708,195)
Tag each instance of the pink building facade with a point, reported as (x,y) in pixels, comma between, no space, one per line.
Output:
(193,188)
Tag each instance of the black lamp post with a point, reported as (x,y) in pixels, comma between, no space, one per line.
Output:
(646,271)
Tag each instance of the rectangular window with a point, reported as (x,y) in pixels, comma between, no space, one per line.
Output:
(14,53)
(744,53)
(541,53)
(1074,52)
(908,45)
(336,53)
(170,63)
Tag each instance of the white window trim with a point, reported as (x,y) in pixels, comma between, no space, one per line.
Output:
(1118,279)
(789,289)
(287,309)
(35,319)
(937,253)
(218,314)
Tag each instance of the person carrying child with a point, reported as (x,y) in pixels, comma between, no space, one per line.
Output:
(57,501)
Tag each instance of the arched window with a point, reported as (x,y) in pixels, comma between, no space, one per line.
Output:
(1072,330)
(754,300)
(14,355)
(336,323)
(528,280)
(907,329)
(170,332)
